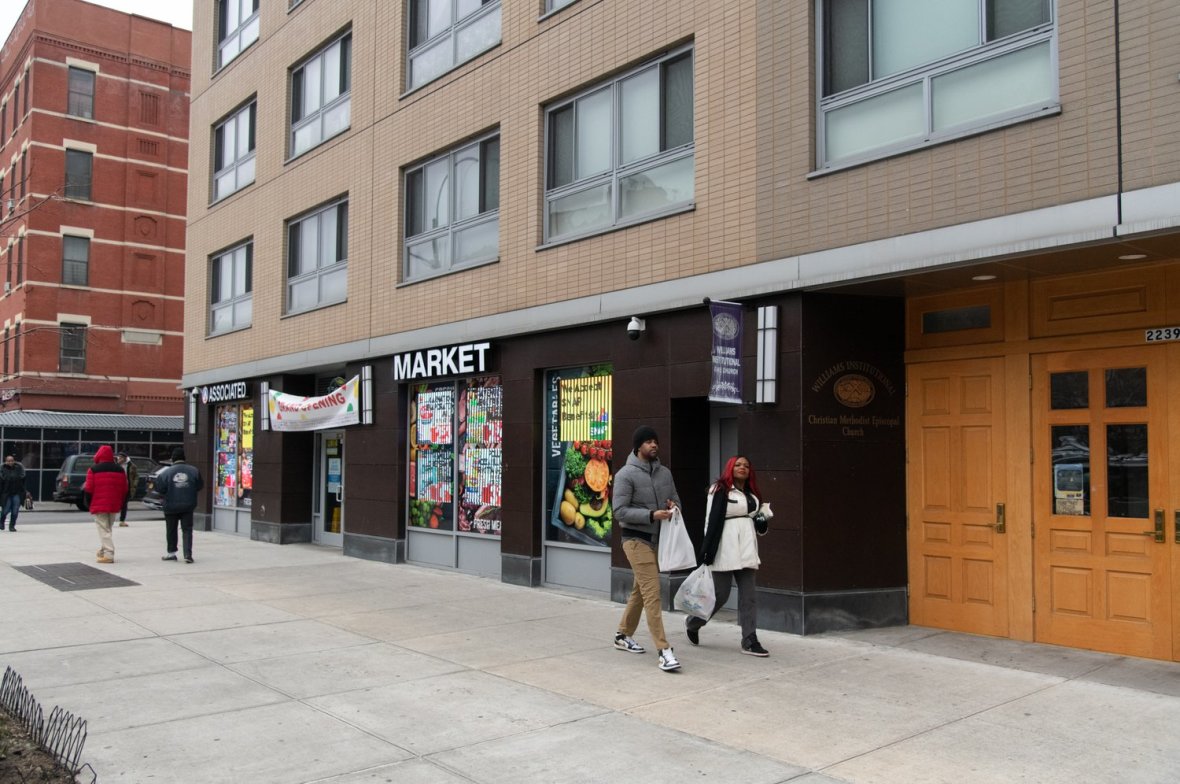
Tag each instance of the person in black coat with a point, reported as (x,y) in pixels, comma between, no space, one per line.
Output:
(12,491)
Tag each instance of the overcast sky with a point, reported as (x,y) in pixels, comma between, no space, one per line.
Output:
(174,12)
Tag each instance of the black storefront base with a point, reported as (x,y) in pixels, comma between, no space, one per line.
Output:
(520,570)
(375,548)
(280,533)
(831,611)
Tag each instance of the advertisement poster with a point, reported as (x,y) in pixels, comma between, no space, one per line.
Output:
(481,435)
(432,456)
(578,456)
(233,455)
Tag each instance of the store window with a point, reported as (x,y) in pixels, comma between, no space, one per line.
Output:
(455,463)
(579,451)
(234,454)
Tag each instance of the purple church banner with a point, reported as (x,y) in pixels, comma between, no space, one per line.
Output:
(726,319)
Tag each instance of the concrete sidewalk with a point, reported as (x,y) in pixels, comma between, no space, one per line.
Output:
(262,663)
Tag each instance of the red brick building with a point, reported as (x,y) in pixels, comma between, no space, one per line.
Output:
(93,161)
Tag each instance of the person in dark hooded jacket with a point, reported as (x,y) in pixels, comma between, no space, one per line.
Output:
(12,491)
(105,489)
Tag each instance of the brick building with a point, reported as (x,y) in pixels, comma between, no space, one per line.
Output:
(949,230)
(93,159)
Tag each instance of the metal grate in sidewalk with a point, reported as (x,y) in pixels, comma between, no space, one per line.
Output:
(74,576)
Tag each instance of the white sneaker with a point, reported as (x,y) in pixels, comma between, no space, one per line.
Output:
(625,643)
(668,660)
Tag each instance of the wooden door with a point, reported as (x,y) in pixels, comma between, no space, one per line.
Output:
(955,477)
(1100,485)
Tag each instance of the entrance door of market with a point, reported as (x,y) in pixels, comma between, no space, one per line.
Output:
(956,487)
(328,503)
(1102,491)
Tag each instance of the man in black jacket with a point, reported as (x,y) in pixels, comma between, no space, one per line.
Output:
(180,485)
(12,491)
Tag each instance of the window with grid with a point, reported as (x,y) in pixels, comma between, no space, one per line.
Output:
(80,101)
(233,152)
(553,5)
(237,28)
(75,261)
(72,356)
(79,167)
(231,299)
(446,33)
(900,74)
(321,96)
(453,210)
(621,152)
(317,258)
(28,89)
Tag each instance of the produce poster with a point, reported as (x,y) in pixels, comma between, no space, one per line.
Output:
(432,456)
(579,454)
(480,439)
(436,415)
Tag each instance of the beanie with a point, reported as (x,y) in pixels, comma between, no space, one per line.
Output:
(643,434)
(178,453)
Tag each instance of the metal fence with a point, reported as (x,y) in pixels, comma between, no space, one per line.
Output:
(62,736)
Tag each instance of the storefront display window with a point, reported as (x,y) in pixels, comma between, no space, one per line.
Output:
(455,463)
(234,455)
(578,456)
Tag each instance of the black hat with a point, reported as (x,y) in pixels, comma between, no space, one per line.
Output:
(178,453)
(120,454)
(643,434)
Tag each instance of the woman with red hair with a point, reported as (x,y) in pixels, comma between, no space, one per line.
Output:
(734,516)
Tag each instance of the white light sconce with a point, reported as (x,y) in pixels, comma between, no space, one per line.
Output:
(192,410)
(264,399)
(367,394)
(766,384)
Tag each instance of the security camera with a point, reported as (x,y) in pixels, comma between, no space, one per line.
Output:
(635,327)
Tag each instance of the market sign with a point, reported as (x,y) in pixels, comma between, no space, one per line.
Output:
(726,320)
(219,393)
(439,362)
(338,408)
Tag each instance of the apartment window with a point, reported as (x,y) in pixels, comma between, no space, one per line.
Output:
(3,123)
(15,106)
(901,75)
(72,357)
(79,166)
(452,210)
(553,5)
(445,33)
(231,299)
(320,96)
(317,258)
(75,261)
(237,28)
(24,159)
(28,89)
(621,152)
(233,152)
(80,102)
(3,195)
(20,259)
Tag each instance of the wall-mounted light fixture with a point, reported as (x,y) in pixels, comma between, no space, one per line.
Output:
(193,394)
(766,383)
(264,400)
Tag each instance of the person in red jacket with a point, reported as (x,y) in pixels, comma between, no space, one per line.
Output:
(105,489)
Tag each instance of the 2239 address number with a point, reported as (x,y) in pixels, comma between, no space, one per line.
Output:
(1162,333)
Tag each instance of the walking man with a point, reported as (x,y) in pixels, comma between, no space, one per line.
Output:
(132,472)
(644,496)
(12,491)
(180,485)
(105,489)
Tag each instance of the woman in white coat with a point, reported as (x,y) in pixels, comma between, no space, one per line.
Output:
(731,547)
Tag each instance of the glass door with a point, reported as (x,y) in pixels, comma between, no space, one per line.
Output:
(328,519)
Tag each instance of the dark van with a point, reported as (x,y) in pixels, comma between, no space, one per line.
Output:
(67,488)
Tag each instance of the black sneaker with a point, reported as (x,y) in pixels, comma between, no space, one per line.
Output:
(751,646)
(694,635)
(188,559)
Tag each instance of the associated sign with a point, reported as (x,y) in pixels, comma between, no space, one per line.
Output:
(220,393)
(437,362)
(338,408)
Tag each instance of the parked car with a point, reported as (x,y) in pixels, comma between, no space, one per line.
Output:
(67,488)
(152,499)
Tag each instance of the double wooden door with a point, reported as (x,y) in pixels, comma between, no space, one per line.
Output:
(1093,522)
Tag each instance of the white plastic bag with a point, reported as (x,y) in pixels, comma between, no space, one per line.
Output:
(676,550)
(696,595)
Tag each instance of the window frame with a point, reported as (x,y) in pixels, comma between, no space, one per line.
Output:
(76,97)
(75,263)
(238,165)
(321,269)
(618,169)
(342,100)
(454,225)
(219,264)
(71,189)
(238,33)
(66,363)
(924,75)
(451,33)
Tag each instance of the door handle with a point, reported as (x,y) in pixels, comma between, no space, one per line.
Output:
(1158,531)
(1001,524)
(1177,528)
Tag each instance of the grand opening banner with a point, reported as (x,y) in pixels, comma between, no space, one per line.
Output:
(338,408)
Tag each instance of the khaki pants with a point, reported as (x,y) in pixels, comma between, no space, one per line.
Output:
(645,593)
(103,520)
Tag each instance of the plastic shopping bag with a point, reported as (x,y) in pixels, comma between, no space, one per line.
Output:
(696,595)
(676,550)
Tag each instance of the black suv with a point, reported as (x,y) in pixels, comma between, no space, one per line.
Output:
(67,488)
